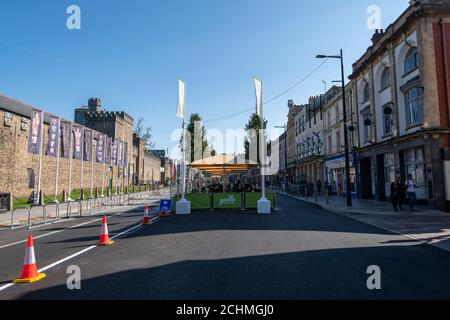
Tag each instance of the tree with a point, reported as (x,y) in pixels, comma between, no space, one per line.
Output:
(195,130)
(253,127)
(145,133)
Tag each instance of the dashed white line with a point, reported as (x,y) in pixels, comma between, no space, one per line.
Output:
(54,264)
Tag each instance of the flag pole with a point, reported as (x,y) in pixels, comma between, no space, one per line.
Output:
(183,186)
(57,162)
(82,164)
(40,158)
(70,163)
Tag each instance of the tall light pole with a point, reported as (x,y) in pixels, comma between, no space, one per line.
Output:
(347,154)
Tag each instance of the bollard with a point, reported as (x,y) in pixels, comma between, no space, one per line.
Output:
(81,194)
(64,196)
(96,192)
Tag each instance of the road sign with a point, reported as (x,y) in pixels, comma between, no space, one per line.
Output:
(165,205)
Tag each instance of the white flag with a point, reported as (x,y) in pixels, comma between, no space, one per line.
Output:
(259,104)
(181,112)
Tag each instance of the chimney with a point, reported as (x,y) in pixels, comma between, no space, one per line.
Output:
(377,36)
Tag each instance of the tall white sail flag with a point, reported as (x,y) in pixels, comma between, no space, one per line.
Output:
(258,91)
(181,111)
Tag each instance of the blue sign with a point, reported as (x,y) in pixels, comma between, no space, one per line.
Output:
(165,205)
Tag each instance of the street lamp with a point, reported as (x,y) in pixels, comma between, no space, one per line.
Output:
(347,155)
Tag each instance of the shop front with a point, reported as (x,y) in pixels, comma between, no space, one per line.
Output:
(335,174)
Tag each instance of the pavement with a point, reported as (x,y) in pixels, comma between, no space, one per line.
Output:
(300,252)
(424,224)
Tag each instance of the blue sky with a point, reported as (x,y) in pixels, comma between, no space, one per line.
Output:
(130,54)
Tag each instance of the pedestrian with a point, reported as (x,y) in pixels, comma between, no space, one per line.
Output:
(401,194)
(319,186)
(411,187)
(395,195)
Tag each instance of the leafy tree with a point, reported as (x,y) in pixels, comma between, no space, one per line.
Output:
(253,127)
(145,133)
(196,129)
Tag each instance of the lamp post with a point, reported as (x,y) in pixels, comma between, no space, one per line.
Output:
(347,154)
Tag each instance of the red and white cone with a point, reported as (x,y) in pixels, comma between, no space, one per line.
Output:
(30,272)
(146,215)
(104,237)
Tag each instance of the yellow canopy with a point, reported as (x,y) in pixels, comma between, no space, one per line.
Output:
(224,164)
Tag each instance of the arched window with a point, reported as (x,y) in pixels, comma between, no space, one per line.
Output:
(411,60)
(366,93)
(385,79)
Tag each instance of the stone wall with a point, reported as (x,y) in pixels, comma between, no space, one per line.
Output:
(15,162)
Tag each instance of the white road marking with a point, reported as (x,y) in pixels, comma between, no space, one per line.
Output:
(54,264)
(58,231)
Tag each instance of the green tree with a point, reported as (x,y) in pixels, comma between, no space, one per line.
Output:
(195,129)
(253,127)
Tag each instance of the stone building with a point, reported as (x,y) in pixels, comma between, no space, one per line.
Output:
(309,141)
(118,125)
(148,165)
(334,142)
(402,90)
(19,169)
(290,142)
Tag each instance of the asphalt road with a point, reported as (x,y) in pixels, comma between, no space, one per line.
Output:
(302,252)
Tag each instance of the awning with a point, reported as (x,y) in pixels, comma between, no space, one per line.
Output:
(224,164)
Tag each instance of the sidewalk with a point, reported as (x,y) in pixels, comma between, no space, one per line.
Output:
(423,224)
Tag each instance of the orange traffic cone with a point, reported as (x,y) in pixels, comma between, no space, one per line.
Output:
(29,272)
(146,216)
(163,214)
(104,237)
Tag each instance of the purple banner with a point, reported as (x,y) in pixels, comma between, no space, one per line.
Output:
(35,137)
(78,142)
(114,152)
(100,152)
(108,150)
(87,152)
(53,137)
(120,154)
(66,135)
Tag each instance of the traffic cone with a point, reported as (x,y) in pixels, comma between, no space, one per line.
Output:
(146,216)
(104,237)
(163,214)
(29,272)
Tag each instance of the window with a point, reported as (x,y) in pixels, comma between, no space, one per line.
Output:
(365,114)
(329,118)
(329,145)
(349,102)
(385,79)
(366,93)
(387,119)
(389,168)
(415,165)
(338,141)
(337,113)
(411,60)
(414,106)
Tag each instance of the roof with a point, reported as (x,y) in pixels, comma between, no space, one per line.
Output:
(224,163)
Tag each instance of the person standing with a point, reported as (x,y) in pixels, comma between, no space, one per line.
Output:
(411,187)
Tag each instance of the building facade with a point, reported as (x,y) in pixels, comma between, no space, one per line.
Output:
(402,103)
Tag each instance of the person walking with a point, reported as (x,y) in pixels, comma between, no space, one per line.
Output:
(411,187)
(395,196)
(401,194)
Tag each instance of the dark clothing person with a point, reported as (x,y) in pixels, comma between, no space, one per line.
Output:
(395,195)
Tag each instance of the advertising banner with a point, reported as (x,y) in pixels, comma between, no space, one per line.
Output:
(53,137)
(35,137)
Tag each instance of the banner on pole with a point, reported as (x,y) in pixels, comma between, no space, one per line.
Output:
(53,137)
(108,147)
(181,108)
(120,153)
(100,152)
(78,142)
(258,92)
(66,136)
(125,157)
(35,137)
(114,152)
(87,152)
